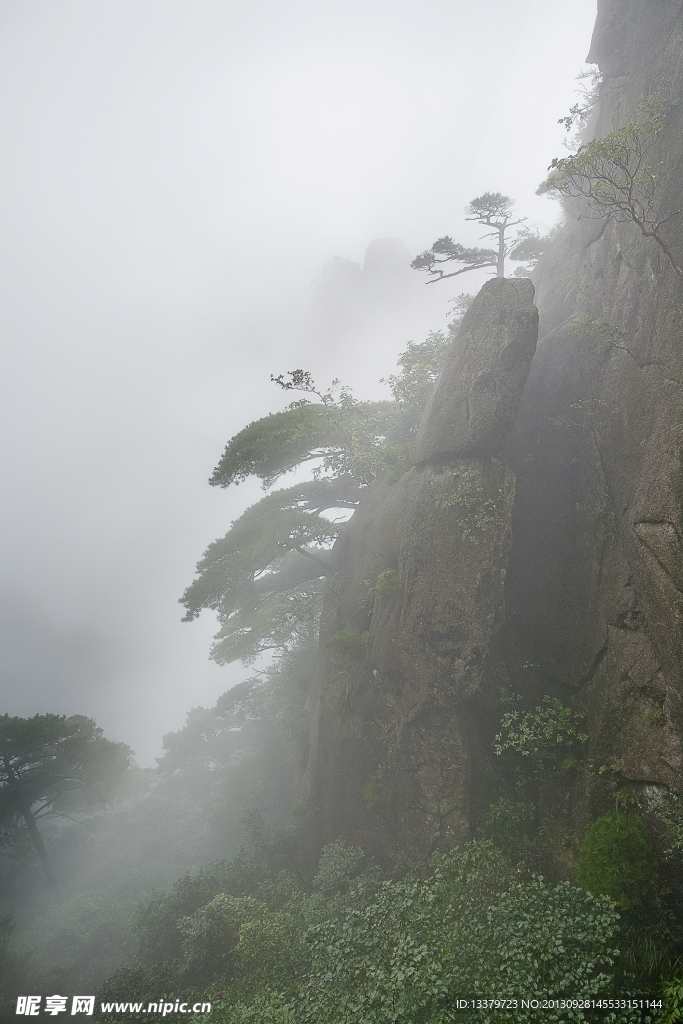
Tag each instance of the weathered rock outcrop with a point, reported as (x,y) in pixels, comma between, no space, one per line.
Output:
(475,401)
(408,632)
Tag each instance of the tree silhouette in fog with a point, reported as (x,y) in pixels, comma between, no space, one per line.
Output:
(51,765)
(492,210)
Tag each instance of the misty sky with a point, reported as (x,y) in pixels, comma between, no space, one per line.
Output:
(175,177)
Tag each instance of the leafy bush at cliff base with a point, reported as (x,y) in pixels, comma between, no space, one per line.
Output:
(407,955)
(617,860)
(338,868)
(673,1001)
(269,1007)
(362,948)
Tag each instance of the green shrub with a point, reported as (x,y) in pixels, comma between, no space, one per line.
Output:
(349,645)
(268,1007)
(339,865)
(341,869)
(157,916)
(385,584)
(271,952)
(616,860)
(547,738)
(402,952)
(380,961)
(361,947)
(212,932)
(348,649)
(672,995)
(594,330)
(508,824)
(476,515)
(159,983)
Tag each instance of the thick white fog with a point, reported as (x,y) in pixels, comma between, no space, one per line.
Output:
(176,175)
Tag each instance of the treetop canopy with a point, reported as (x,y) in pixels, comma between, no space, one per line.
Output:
(282,441)
(48,755)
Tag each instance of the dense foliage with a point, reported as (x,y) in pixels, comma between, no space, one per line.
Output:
(357,945)
(616,860)
(544,742)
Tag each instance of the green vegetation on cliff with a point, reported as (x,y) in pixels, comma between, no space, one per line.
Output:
(616,860)
(266,577)
(618,175)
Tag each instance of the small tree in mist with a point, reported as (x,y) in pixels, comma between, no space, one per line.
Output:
(52,765)
(576,121)
(491,210)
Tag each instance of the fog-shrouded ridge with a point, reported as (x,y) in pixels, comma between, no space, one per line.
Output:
(195,196)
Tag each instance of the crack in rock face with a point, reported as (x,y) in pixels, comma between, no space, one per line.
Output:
(664,543)
(397,762)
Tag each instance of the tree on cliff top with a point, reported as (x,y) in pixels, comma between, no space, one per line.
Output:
(491,210)
(266,577)
(50,765)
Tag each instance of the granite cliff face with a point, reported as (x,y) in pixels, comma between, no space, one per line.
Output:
(594,593)
(408,634)
(537,542)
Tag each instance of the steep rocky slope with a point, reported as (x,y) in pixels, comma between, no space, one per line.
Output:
(408,635)
(573,587)
(594,592)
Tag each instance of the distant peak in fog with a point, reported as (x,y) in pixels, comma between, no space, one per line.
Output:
(361,315)
(345,293)
(387,259)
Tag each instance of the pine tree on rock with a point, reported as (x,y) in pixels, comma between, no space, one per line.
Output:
(491,210)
